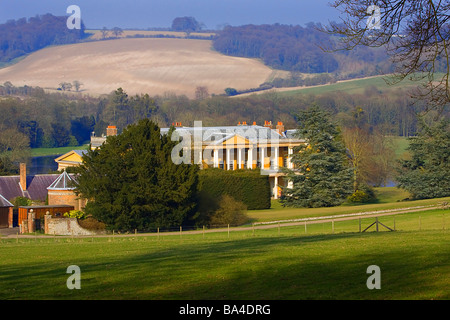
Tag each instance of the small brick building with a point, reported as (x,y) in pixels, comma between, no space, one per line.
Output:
(6,213)
(62,192)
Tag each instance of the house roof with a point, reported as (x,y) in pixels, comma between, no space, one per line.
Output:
(63,182)
(36,186)
(253,133)
(72,156)
(5,203)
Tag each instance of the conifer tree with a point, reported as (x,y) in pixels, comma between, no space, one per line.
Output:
(427,174)
(132,183)
(321,176)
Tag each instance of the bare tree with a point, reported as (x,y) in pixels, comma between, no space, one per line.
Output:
(77,84)
(117,31)
(201,93)
(104,32)
(416,34)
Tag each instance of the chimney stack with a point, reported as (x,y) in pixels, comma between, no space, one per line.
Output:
(111,131)
(23,176)
(268,124)
(280,127)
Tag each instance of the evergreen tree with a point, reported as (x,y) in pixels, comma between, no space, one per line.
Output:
(321,176)
(132,183)
(427,174)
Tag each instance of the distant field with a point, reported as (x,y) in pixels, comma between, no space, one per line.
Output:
(388,198)
(353,86)
(153,66)
(42,152)
(97,34)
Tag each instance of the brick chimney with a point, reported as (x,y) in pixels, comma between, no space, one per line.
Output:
(268,124)
(111,131)
(280,127)
(23,176)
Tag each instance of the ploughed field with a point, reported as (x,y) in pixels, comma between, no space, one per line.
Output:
(153,66)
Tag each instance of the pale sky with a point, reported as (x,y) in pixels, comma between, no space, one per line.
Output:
(143,14)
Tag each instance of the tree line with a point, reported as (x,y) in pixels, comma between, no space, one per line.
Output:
(300,49)
(59,120)
(23,36)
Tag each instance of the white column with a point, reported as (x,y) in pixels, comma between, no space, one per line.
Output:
(240,150)
(250,158)
(290,153)
(275,188)
(216,158)
(262,156)
(277,155)
(228,159)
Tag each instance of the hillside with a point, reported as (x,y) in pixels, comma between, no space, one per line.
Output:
(154,66)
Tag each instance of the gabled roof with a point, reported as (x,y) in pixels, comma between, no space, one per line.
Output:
(36,186)
(5,203)
(72,156)
(252,133)
(63,182)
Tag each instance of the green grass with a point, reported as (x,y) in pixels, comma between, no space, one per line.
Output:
(388,198)
(268,264)
(400,145)
(41,152)
(356,86)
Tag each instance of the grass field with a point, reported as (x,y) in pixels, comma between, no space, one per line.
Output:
(41,152)
(285,264)
(153,66)
(388,198)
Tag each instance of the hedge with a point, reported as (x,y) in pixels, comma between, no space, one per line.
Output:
(247,186)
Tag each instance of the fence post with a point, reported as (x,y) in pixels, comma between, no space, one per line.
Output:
(332,226)
(305,227)
(394,223)
(278,229)
(359,225)
(158,233)
(228,231)
(181,229)
(376,220)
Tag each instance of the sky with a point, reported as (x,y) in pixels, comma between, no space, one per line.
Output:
(143,14)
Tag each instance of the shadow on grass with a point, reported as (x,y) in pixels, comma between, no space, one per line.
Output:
(273,268)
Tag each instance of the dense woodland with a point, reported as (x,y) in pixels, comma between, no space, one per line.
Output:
(300,49)
(60,119)
(23,36)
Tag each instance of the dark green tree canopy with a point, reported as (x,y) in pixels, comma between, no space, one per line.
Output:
(186,24)
(132,183)
(427,174)
(322,176)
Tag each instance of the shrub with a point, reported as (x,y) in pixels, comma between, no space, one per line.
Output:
(229,212)
(92,224)
(75,214)
(364,194)
(21,202)
(246,186)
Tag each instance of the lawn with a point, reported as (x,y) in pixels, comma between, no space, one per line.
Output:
(388,198)
(41,152)
(271,264)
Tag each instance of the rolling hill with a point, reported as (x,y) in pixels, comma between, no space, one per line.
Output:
(153,66)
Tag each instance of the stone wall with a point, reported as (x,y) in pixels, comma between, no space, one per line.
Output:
(66,227)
